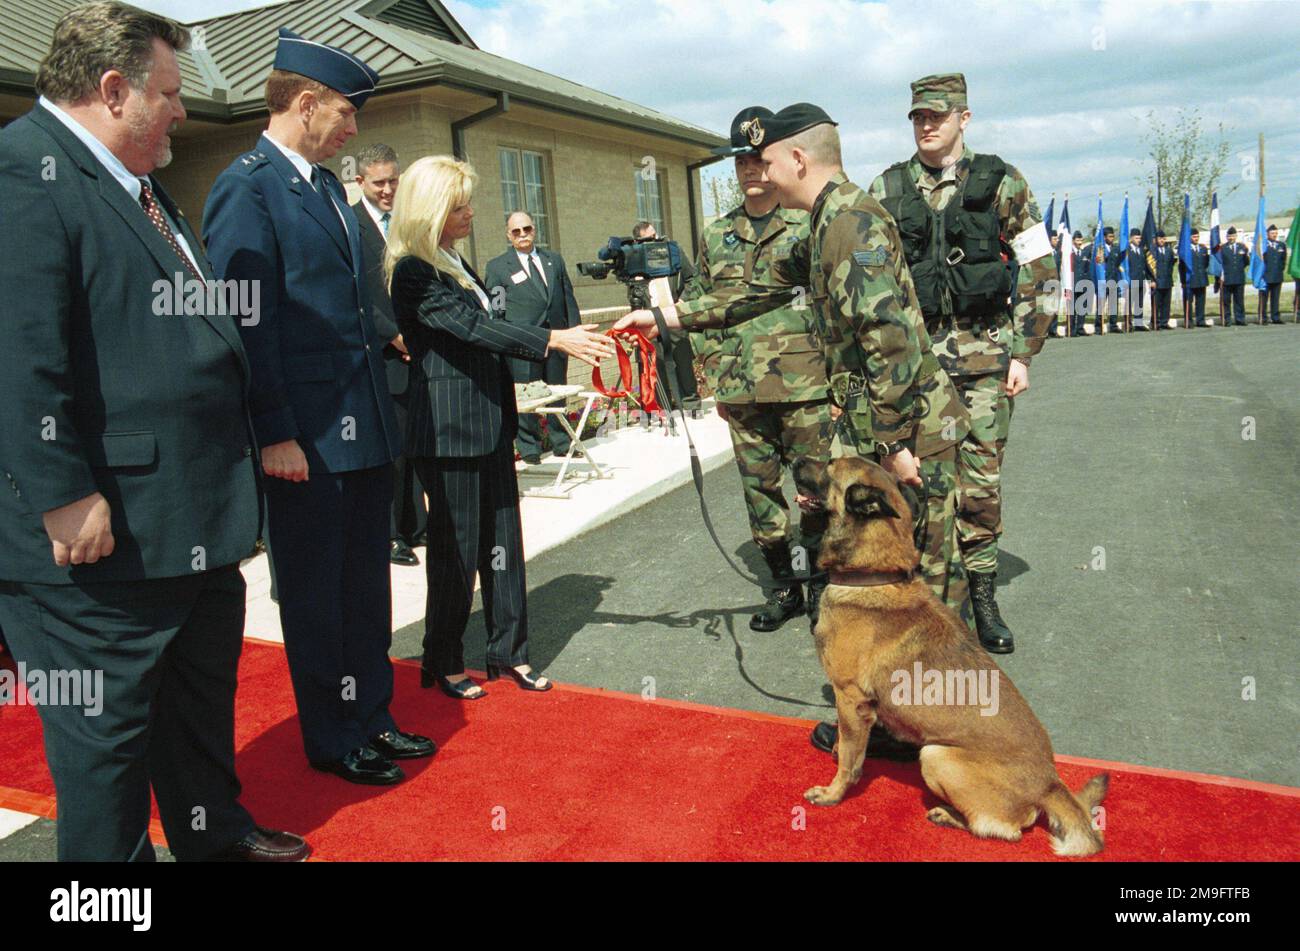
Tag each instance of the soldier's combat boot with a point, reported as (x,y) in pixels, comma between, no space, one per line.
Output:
(817,581)
(785,599)
(995,637)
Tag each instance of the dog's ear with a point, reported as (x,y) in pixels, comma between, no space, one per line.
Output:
(812,478)
(868,501)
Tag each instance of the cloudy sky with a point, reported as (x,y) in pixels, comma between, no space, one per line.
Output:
(1059,89)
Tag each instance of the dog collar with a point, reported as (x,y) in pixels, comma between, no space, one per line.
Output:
(867,579)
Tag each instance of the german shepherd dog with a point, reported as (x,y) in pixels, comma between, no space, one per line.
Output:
(894,651)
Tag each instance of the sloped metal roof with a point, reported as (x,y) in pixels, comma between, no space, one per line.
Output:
(403,40)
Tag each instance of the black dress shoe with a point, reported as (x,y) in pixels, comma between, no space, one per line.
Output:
(265,845)
(533,460)
(363,765)
(400,553)
(398,745)
(881,744)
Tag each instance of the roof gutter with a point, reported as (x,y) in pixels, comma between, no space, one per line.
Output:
(460,125)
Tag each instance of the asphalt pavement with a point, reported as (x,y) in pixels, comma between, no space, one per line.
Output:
(1148,568)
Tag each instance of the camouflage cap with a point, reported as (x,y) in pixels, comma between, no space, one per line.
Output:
(942,92)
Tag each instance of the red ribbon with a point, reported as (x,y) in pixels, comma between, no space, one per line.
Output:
(649,391)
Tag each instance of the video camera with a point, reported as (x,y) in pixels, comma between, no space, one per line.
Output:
(634,259)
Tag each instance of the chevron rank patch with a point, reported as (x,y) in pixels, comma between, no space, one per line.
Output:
(872,257)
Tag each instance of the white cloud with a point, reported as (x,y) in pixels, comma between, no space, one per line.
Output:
(1068,114)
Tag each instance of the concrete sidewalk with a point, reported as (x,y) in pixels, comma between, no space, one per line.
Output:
(644,464)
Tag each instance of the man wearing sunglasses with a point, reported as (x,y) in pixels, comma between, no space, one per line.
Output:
(529,285)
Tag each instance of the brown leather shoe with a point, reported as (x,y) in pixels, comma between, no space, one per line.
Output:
(265,845)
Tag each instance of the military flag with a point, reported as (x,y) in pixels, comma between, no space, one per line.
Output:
(1216,261)
(1098,249)
(1067,260)
(1185,240)
(1122,240)
(1293,245)
(1257,250)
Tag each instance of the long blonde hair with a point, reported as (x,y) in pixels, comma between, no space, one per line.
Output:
(429,191)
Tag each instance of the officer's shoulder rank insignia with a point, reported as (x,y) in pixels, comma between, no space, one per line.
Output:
(1033,210)
(872,257)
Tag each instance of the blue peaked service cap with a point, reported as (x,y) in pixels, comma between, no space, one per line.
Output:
(335,68)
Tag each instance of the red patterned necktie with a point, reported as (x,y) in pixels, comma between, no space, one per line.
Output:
(151,209)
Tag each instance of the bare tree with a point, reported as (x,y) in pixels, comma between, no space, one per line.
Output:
(1188,163)
(724,193)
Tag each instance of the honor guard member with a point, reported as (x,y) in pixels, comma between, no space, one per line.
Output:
(962,217)
(1108,293)
(767,374)
(1081,262)
(1274,275)
(321,407)
(1198,278)
(1236,268)
(1135,256)
(1163,275)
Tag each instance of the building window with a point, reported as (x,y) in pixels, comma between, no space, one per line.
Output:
(523,188)
(649,199)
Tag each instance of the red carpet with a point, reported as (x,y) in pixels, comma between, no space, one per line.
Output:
(579,773)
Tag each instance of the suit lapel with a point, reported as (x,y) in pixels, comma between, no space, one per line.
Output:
(223,324)
(549,271)
(313,202)
(112,192)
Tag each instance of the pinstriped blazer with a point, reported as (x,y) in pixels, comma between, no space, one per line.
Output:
(461,399)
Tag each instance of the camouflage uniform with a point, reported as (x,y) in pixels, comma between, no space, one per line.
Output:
(877,357)
(882,371)
(767,371)
(977,354)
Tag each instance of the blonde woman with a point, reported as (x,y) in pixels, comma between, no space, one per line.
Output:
(461,425)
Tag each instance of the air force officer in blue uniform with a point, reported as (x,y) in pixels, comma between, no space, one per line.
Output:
(321,409)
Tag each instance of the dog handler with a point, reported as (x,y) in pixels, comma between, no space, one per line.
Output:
(893,397)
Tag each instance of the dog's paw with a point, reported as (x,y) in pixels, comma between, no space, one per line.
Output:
(822,796)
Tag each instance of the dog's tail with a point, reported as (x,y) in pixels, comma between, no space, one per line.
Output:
(1069,817)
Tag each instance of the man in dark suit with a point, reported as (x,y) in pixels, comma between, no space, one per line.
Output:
(1198,278)
(1108,295)
(1081,263)
(1135,255)
(1163,275)
(130,488)
(377,177)
(321,410)
(530,286)
(1274,274)
(1236,269)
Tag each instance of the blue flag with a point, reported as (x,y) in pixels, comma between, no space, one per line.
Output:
(1257,250)
(1122,240)
(1098,249)
(1216,262)
(1185,240)
(1047,218)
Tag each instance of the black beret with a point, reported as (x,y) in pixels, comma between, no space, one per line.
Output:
(1232,231)
(748,122)
(1160,234)
(1078,234)
(789,122)
(1107,230)
(1134,232)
